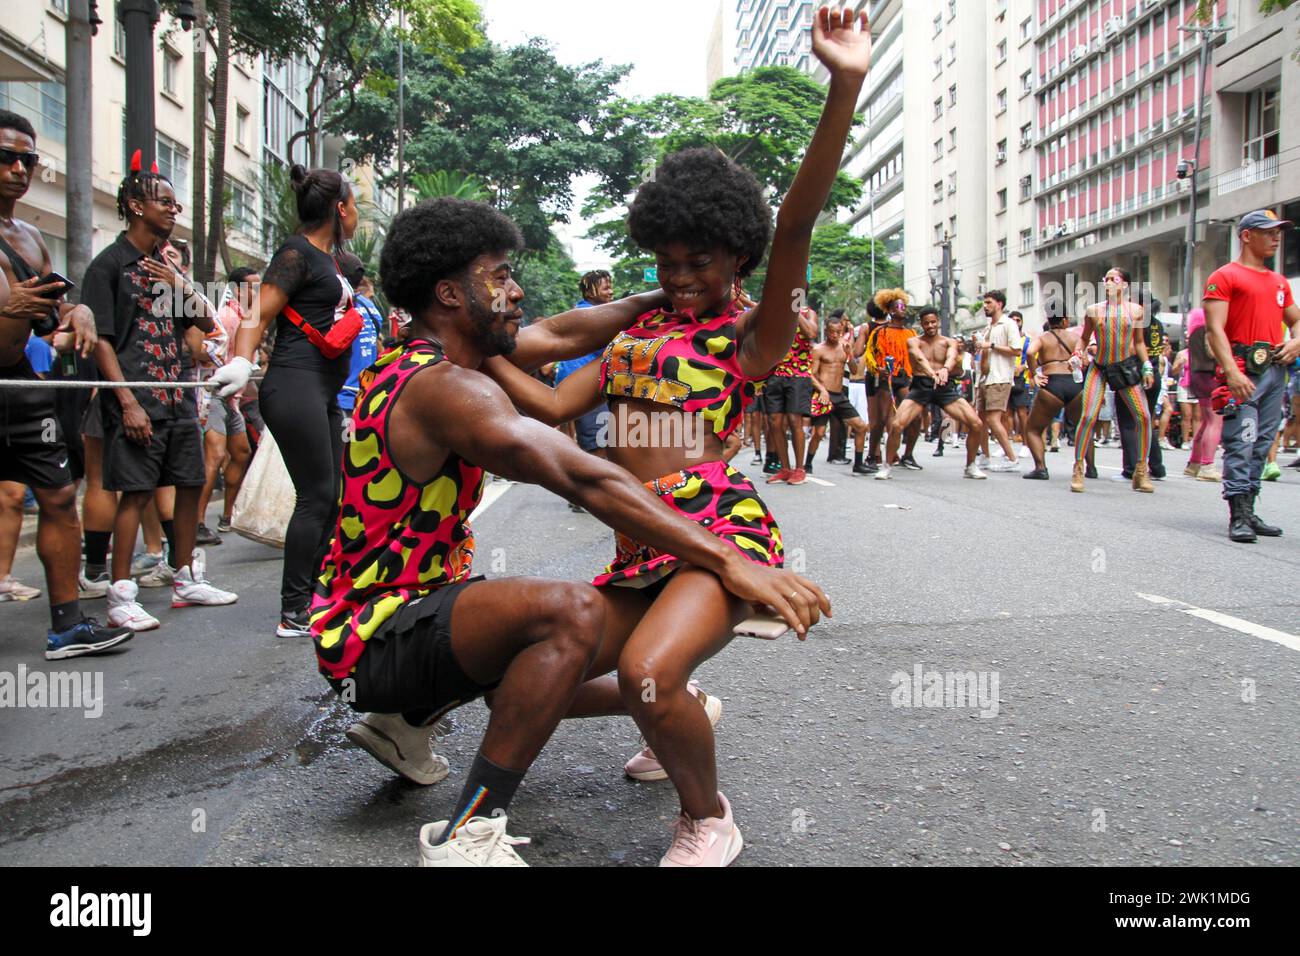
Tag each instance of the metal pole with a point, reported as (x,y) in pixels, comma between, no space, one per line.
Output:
(138,18)
(401,109)
(80,211)
(1189,249)
(945,309)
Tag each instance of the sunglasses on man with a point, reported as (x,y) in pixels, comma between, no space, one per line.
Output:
(10,156)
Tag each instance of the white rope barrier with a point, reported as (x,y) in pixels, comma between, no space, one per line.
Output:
(75,383)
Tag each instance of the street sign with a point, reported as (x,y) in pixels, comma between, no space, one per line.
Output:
(651,273)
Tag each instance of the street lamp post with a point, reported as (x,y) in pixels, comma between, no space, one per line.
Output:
(944,279)
(139,17)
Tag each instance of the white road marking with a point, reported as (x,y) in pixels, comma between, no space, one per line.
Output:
(491,494)
(821,481)
(1226,620)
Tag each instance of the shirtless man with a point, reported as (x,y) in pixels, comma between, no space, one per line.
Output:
(33,454)
(936,366)
(828,361)
(1049,362)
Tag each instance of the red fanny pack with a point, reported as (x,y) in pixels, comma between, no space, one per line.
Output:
(338,339)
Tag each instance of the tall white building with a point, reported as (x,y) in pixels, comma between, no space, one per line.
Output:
(774,33)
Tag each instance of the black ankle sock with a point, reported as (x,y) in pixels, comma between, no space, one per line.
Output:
(65,616)
(857,459)
(488,788)
(169,531)
(96,547)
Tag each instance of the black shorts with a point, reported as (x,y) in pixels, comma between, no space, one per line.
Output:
(759,405)
(788,395)
(32,450)
(924,392)
(174,456)
(1064,387)
(841,408)
(1021,397)
(900,383)
(408,666)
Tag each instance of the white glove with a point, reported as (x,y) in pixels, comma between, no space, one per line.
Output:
(231,378)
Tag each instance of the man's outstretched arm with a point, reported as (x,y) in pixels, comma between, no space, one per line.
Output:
(474,418)
(580,332)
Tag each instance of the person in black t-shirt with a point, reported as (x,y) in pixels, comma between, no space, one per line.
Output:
(142,308)
(299,394)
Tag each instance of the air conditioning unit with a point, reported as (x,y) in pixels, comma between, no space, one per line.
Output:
(1002,156)
(952,188)
(1026,142)
(1067,227)
(1112,27)
(1078,53)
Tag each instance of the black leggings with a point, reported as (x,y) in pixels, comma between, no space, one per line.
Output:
(300,407)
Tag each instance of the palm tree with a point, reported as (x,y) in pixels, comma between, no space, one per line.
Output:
(449,183)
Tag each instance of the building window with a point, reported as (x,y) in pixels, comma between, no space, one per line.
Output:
(938,24)
(1026,188)
(952,183)
(1026,135)
(952,139)
(1002,51)
(952,53)
(174,163)
(1002,200)
(1026,240)
(243,207)
(938,108)
(1027,82)
(45,104)
(938,233)
(952,226)
(1261,139)
(1026,28)
(241,126)
(1001,156)
(938,149)
(952,95)
(119,39)
(1002,101)
(938,191)
(171,73)
(1002,250)
(1026,293)
(952,9)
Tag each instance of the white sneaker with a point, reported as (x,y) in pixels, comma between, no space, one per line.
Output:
(1024,451)
(482,841)
(89,589)
(124,611)
(973,471)
(982,460)
(12,589)
(885,473)
(1004,464)
(189,588)
(159,576)
(399,747)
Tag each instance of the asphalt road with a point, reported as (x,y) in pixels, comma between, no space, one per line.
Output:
(1120,731)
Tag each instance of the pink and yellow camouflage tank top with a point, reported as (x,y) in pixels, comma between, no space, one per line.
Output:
(798,361)
(396,539)
(675,359)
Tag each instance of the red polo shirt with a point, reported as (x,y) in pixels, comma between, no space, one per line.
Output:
(1256,300)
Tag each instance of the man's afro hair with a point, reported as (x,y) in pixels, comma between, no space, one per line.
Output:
(702,198)
(437,239)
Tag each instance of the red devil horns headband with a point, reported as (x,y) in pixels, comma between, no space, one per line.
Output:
(135,163)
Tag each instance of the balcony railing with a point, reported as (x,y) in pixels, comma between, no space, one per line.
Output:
(1247,174)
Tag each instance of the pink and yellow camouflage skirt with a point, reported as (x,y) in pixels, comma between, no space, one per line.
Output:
(714,495)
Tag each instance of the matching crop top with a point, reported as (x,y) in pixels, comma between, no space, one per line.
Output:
(674,359)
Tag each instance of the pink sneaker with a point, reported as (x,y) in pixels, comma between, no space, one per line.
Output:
(714,841)
(780,478)
(797,477)
(645,766)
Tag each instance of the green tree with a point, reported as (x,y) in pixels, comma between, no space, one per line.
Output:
(763,120)
(517,119)
(549,280)
(444,182)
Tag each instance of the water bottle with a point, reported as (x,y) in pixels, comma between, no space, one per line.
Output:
(1076,368)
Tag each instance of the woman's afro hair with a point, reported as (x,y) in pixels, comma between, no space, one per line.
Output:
(702,198)
(885,298)
(436,239)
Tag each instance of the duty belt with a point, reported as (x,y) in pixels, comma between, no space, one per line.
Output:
(1258,356)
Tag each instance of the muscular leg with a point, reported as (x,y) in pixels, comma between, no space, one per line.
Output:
(688,623)
(187,525)
(904,418)
(58,541)
(98,507)
(799,439)
(859,429)
(998,428)
(818,432)
(241,453)
(964,413)
(880,413)
(1093,395)
(126,526)
(11,523)
(1046,407)
(538,638)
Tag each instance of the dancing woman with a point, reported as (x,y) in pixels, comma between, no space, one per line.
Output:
(707,223)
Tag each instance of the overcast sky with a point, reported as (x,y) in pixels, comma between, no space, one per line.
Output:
(663,40)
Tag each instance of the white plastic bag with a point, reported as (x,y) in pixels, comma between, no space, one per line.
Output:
(266,498)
